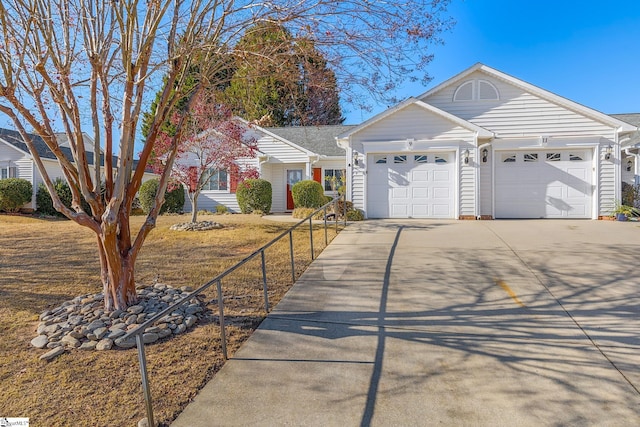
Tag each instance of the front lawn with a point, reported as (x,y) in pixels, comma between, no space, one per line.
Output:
(46,262)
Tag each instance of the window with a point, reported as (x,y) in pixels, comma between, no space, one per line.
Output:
(508,158)
(8,172)
(476,90)
(530,157)
(218,181)
(464,92)
(400,159)
(575,157)
(487,91)
(380,159)
(420,158)
(333,179)
(440,160)
(553,157)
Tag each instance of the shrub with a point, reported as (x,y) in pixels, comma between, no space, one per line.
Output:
(14,193)
(44,204)
(355,215)
(173,198)
(631,195)
(221,209)
(308,194)
(254,195)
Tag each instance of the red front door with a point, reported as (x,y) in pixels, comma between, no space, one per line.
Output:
(293,176)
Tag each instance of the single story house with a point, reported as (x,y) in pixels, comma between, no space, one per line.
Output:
(17,162)
(284,156)
(484,144)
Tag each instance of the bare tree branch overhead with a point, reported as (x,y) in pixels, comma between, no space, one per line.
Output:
(76,66)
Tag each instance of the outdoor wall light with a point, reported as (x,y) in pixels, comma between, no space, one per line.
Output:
(356,160)
(485,155)
(608,152)
(465,156)
(629,165)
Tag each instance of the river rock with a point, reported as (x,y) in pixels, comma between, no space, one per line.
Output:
(104,344)
(40,341)
(53,353)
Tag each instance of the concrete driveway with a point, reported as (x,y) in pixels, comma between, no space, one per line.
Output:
(420,323)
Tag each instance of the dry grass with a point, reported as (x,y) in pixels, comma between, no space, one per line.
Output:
(45,262)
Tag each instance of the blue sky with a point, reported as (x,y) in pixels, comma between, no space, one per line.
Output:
(587,51)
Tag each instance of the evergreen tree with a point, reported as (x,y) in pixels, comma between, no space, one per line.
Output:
(283,78)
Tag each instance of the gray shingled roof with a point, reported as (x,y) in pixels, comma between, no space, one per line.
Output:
(14,138)
(633,119)
(318,139)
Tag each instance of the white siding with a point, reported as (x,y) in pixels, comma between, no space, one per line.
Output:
(412,122)
(208,200)
(467,204)
(517,113)
(486,186)
(279,152)
(607,193)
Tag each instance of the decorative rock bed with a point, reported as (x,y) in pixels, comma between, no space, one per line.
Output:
(82,323)
(196,226)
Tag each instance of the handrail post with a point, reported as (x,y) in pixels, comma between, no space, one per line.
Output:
(345,209)
(264,282)
(142,359)
(311,238)
(223,335)
(293,268)
(326,237)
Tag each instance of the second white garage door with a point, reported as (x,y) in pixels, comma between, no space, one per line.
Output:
(410,185)
(543,184)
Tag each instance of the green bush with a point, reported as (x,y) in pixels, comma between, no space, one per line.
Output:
(173,199)
(44,204)
(254,195)
(221,209)
(308,194)
(14,193)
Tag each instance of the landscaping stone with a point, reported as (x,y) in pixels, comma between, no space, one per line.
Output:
(53,353)
(82,323)
(88,345)
(196,226)
(40,341)
(104,344)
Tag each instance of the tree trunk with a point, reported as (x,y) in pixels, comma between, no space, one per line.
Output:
(117,274)
(194,206)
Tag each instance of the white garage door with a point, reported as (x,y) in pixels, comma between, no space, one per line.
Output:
(410,185)
(543,184)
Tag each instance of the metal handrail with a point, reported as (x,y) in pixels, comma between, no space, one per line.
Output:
(139,331)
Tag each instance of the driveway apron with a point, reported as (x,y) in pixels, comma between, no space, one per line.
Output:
(420,323)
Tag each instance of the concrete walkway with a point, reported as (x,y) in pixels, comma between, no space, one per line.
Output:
(421,323)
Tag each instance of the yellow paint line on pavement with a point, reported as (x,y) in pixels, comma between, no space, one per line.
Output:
(509,292)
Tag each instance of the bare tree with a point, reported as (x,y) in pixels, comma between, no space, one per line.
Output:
(90,65)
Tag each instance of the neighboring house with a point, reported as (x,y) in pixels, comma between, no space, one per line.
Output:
(484,144)
(630,150)
(16,160)
(284,156)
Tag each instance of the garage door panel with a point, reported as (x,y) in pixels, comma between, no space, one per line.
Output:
(420,211)
(410,186)
(419,176)
(420,193)
(441,175)
(441,193)
(552,184)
